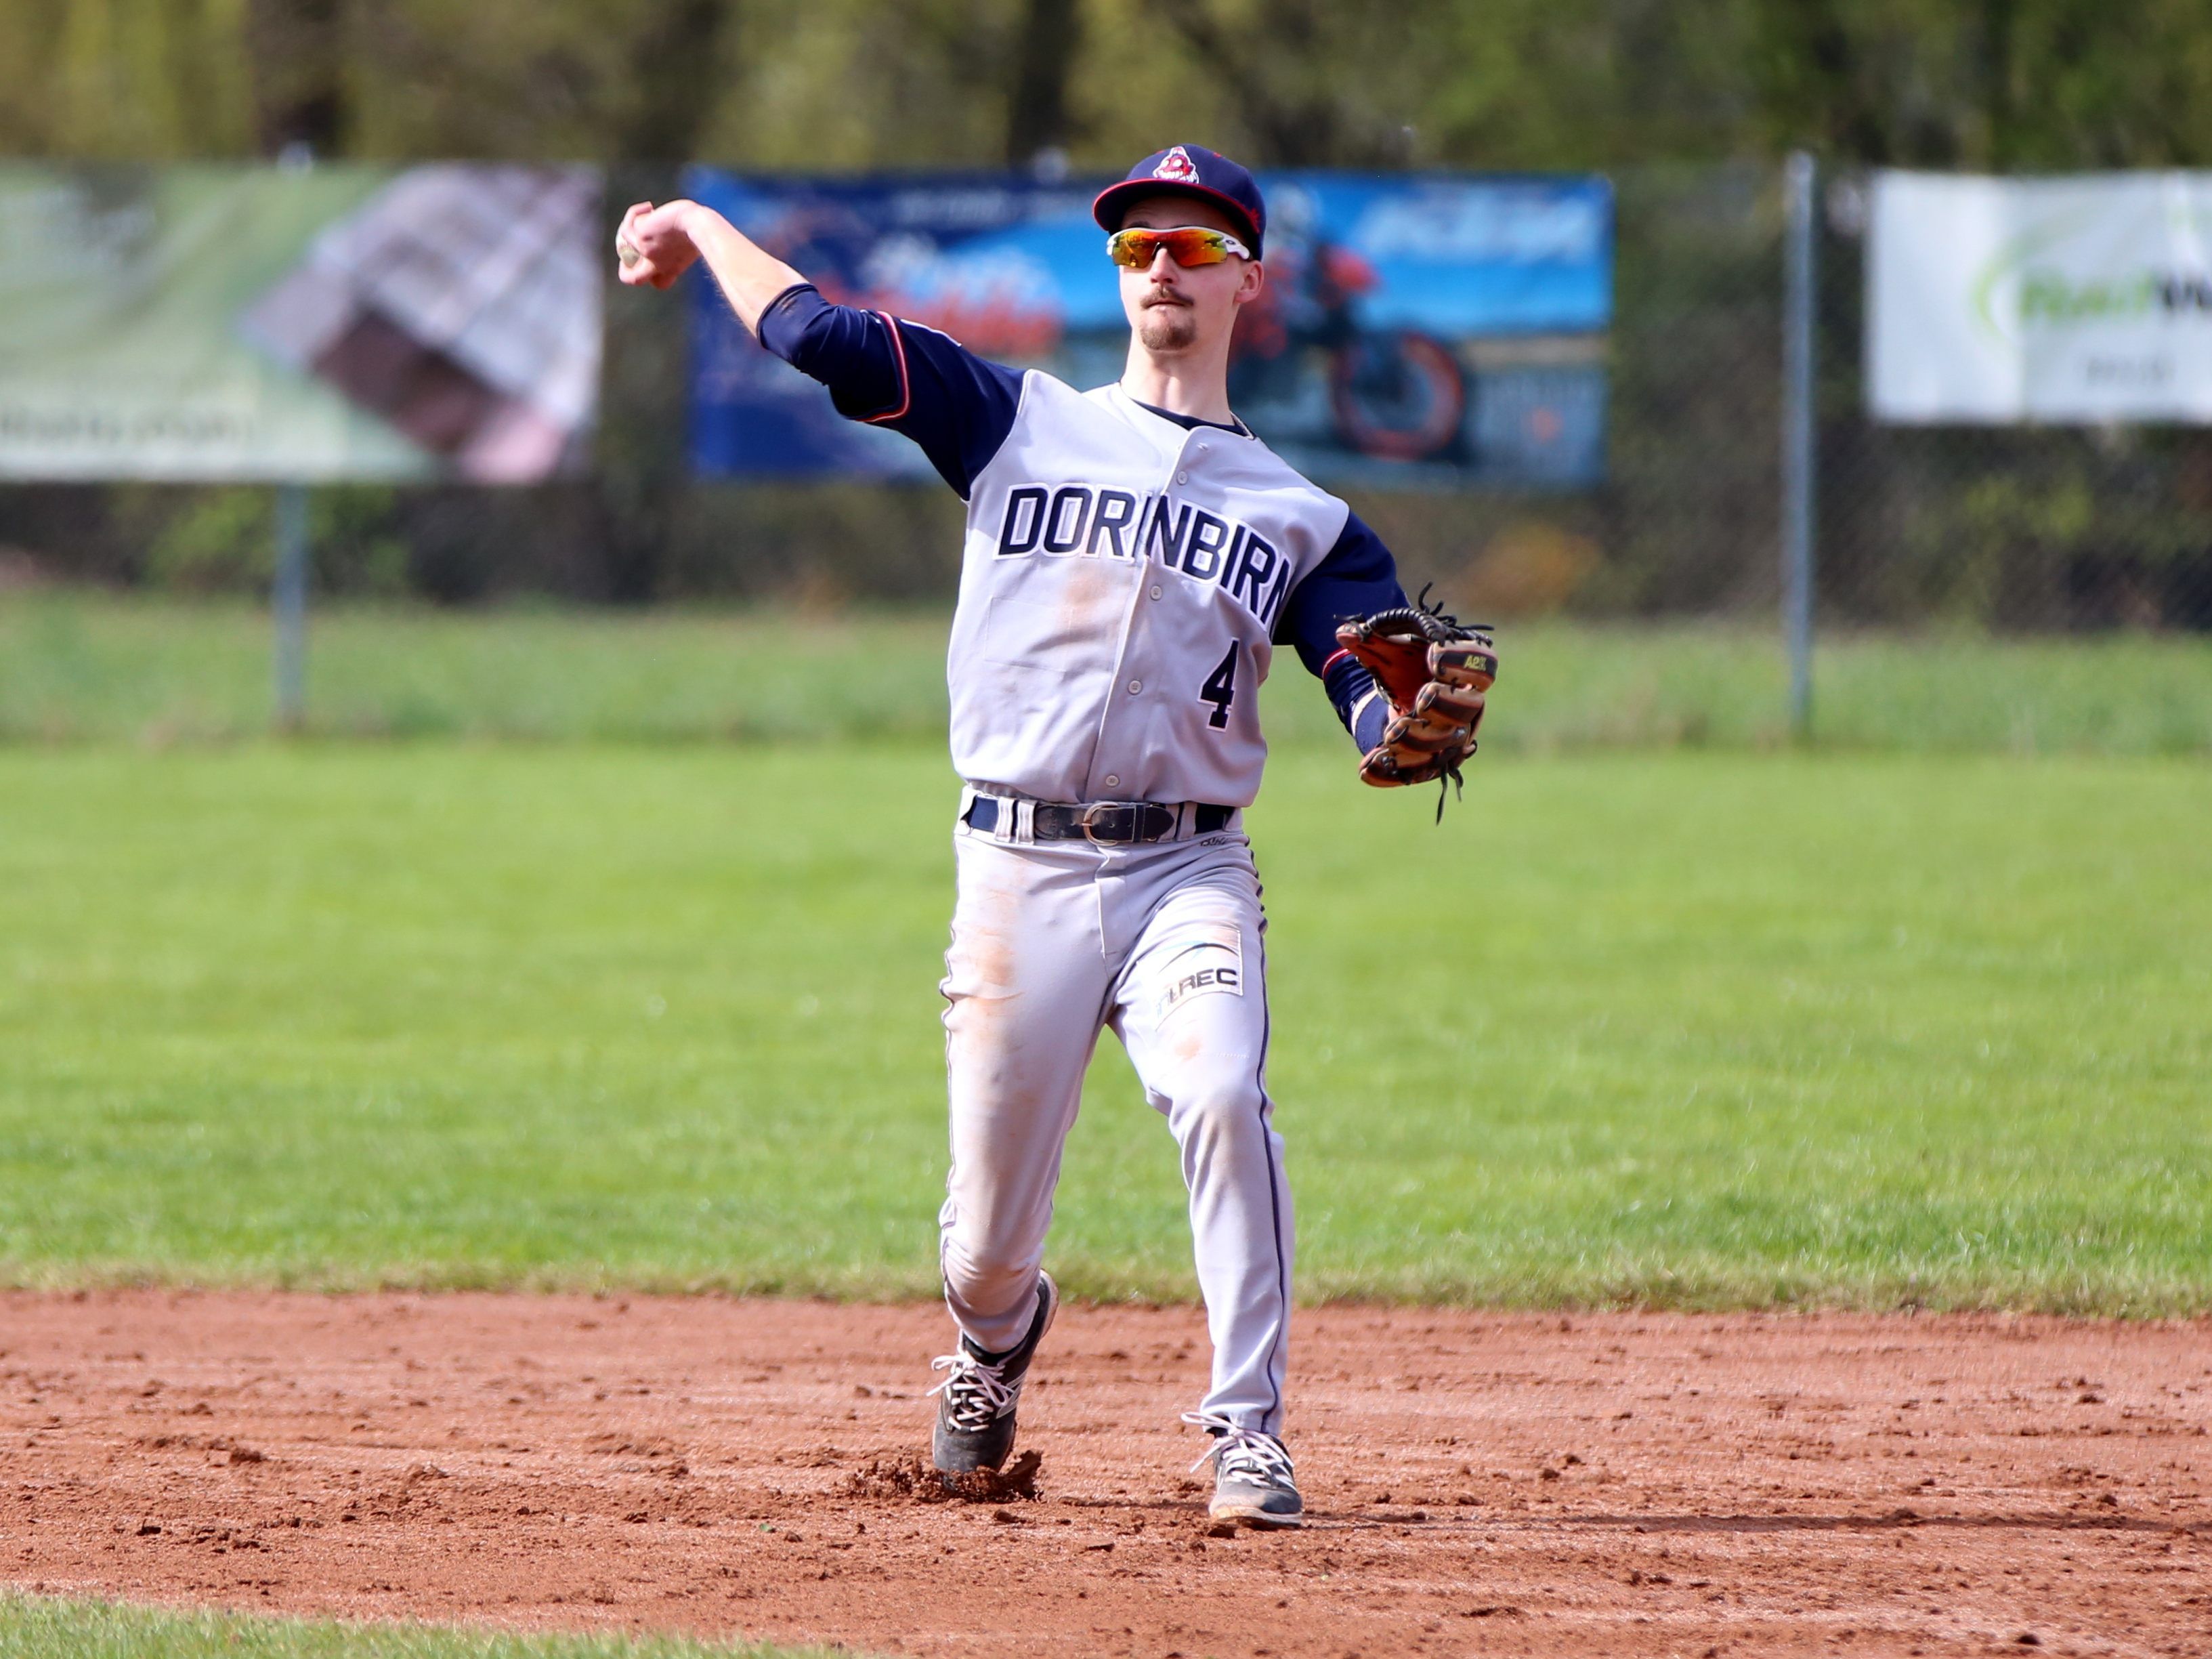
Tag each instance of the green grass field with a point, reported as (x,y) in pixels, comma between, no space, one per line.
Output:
(78,667)
(1688,1029)
(538,988)
(37,1627)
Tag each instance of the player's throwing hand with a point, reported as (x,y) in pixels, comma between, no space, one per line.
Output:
(653,246)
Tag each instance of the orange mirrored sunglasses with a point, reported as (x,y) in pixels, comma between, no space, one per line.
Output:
(1187,245)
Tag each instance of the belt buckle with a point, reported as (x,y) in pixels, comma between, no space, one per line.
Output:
(1088,823)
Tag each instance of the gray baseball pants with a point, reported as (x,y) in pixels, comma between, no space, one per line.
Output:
(1164,944)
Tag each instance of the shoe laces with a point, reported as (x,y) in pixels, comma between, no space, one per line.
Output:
(975,1392)
(1241,1454)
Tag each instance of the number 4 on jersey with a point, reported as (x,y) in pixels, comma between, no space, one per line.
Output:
(1220,690)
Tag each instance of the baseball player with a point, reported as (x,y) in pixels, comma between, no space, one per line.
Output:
(1134,555)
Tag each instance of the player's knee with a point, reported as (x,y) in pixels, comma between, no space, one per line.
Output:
(1219,1107)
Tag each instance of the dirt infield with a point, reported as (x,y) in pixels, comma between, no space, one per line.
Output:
(1617,1484)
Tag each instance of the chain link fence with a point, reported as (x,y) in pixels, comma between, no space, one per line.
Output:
(1998,528)
(2018,528)
(2011,529)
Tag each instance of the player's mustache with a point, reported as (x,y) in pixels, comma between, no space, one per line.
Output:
(1166,296)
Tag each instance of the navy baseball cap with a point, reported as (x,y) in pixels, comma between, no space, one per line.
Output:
(1188,170)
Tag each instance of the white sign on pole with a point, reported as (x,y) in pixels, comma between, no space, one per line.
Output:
(2073,299)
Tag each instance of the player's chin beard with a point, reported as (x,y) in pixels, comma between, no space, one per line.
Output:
(1166,326)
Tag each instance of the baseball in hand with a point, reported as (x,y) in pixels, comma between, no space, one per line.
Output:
(652,244)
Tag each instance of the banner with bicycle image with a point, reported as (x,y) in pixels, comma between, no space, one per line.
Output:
(1427,331)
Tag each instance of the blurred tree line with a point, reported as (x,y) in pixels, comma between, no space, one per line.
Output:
(1635,87)
(1991,84)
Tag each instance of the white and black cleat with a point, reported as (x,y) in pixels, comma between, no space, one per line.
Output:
(1253,1484)
(975,1403)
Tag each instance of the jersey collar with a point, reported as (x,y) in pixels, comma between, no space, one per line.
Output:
(1184,422)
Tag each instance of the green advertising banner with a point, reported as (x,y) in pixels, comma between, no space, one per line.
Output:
(307,325)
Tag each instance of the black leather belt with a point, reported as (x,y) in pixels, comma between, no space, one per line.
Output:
(1105,824)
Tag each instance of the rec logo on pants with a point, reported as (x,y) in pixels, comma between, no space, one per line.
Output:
(1212,966)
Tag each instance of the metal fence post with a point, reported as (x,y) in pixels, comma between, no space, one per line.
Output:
(288,600)
(1799,458)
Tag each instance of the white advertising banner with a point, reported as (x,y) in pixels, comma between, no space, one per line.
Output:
(2075,300)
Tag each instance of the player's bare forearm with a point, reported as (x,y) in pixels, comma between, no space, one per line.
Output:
(657,245)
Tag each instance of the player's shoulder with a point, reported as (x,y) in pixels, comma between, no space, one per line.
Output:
(1256,454)
(1255,466)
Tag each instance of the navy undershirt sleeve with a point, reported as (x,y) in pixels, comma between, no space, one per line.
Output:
(1356,578)
(957,406)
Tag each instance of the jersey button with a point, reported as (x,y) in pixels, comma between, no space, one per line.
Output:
(1183,477)
(1135,686)
(1156,590)
(1113,782)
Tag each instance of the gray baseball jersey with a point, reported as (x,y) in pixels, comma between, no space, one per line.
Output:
(1127,573)
(1120,584)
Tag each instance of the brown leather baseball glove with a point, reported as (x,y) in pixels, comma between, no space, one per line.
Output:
(1436,671)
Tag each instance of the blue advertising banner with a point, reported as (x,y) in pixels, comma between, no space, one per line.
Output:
(1418,331)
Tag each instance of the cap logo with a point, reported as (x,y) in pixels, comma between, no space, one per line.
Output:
(1177,167)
